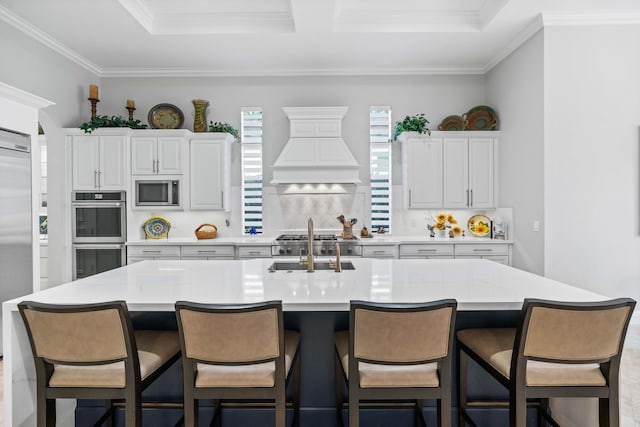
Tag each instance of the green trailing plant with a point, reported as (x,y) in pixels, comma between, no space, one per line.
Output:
(223,127)
(417,123)
(111,122)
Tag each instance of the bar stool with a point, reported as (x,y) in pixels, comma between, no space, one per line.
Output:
(237,352)
(396,352)
(559,350)
(92,352)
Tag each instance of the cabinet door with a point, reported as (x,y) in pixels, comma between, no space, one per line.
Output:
(481,171)
(111,175)
(424,175)
(86,162)
(143,155)
(169,156)
(206,173)
(456,173)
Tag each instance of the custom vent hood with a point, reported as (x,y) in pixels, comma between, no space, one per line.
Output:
(315,152)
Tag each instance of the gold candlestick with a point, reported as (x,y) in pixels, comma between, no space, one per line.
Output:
(131,110)
(93,101)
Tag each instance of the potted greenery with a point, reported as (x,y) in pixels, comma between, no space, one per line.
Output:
(111,122)
(417,123)
(223,127)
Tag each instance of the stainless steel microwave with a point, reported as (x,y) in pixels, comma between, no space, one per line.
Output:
(157,192)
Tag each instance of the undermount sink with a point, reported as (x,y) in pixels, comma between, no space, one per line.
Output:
(296,266)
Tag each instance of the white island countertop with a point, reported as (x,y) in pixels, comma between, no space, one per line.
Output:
(157,285)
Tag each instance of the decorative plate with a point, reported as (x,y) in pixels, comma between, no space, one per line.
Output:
(481,118)
(479,225)
(451,123)
(156,227)
(165,116)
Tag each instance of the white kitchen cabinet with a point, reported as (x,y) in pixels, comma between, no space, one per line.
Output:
(136,253)
(207,252)
(422,166)
(426,251)
(469,172)
(494,252)
(44,264)
(156,155)
(98,162)
(380,251)
(450,170)
(209,172)
(254,251)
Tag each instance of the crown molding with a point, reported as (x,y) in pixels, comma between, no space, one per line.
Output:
(14,20)
(139,12)
(22,97)
(211,72)
(531,29)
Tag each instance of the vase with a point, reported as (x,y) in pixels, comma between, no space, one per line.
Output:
(441,233)
(200,117)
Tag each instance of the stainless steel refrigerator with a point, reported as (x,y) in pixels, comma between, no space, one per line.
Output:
(16,231)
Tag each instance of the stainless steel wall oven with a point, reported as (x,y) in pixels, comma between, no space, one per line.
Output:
(99,230)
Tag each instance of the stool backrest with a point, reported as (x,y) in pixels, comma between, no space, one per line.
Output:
(402,333)
(231,334)
(78,334)
(574,332)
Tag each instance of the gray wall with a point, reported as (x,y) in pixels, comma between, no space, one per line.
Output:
(592,179)
(516,87)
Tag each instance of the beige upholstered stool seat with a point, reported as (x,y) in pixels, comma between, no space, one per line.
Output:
(253,375)
(496,347)
(155,348)
(377,375)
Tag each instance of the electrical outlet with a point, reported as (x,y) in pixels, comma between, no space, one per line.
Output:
(536,225)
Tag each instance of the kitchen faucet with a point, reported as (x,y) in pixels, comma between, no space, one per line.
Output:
(310,249)
(337,266)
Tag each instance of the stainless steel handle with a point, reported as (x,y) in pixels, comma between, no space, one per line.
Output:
(471,204)
(157,166)
(427,250)
(254,252)
(409,197)
(96,204)
(468,197)
(222,198)
(99,246)
(206,252)
(483,250)
(95,178)
(154,166)
(151,252)
(99,178)
(379,252)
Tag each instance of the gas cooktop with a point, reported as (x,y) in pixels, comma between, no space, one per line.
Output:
(323,244)
(316,237)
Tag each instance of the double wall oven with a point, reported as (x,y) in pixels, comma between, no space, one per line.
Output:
(99,230)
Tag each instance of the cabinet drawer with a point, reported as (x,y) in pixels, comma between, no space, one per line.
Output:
(254,251)
(379,251)
(426,250)
(154,251)
(208,251)
(482,249)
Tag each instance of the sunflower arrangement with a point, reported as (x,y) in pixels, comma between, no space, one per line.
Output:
(442,222)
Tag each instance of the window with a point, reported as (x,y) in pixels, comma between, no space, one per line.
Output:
(380,138)
(251,145)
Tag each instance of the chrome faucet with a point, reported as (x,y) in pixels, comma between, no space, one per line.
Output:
(310,266)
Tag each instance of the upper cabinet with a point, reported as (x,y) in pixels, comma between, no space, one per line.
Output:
(98,162)
(157,155)
(209,171)
(450,170)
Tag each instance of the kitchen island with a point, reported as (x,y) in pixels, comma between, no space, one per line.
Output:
(488,294)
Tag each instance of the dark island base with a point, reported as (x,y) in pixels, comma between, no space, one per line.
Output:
(317,380)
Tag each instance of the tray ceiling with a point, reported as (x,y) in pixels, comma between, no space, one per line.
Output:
(297,37)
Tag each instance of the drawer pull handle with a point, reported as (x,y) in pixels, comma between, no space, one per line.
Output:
(206,252)
(427,250)
(254,252)
(482,250)
(151,252)
(379,252)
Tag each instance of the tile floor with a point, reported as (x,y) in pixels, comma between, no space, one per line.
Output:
(630,379)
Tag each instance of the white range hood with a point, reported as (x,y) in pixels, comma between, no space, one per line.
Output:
(315,152)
